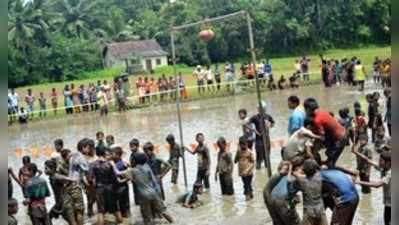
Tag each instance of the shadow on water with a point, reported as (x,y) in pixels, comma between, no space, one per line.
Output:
(214,117)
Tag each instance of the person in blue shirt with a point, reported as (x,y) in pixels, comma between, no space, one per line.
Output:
(297,116)
(267,68)
(276,197)
(339,194)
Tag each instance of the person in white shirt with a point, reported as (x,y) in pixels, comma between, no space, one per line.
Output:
(209,79)
(200,75)
(228,75)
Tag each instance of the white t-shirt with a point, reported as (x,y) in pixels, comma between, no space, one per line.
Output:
(297,143)
(199,74)
(14,99)
(209,74)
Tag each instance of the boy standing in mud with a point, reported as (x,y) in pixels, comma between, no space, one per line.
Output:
(158,166)
(224,168)
(245,161)
(36,193)
(134,146)
(72,188)
(100,139)
(63,201)
(102,176)
(121,188)
(310,184)
(203,161)
(151,204)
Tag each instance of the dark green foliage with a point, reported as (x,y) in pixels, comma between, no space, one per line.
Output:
(54,40)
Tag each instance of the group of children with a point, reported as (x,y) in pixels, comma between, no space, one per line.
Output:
(323,184)
(99,169)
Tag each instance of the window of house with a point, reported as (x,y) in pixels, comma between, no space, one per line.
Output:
(158,61)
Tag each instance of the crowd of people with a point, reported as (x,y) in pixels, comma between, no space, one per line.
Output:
(98,97)
(99,170)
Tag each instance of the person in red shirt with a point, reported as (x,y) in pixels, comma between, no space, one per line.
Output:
(329,128)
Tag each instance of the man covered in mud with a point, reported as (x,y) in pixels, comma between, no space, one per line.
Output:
(224,168)
(245,161)
(58,145)
(277,198)
(310,184)
(262,123)
(151,204)
(203,160)
(175,152)
(63,201)
(134,146)
(87,147)
(36,193)
(121,187)
(103,177)
(158,166)
(72,188)
(190,199)
(332,132)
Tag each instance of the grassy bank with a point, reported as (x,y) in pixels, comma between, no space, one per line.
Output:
(284,65)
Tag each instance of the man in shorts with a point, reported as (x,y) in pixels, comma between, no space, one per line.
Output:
(200,76)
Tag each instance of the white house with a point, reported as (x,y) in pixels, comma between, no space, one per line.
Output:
(148,53)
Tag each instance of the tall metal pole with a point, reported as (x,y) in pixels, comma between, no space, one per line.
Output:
(262,110)
(172,41)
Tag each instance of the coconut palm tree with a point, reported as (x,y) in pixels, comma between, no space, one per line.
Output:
(28,23)
(79,17)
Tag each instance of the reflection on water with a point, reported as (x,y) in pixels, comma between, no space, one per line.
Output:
(214,117)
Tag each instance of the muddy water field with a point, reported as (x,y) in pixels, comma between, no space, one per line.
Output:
(213,117)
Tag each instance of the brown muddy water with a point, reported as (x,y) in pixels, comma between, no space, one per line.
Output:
(214,117)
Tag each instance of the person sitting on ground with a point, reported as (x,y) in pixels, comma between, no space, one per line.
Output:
(22,116)
(282,83)
(190,199)
(294,80)
(271,84)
